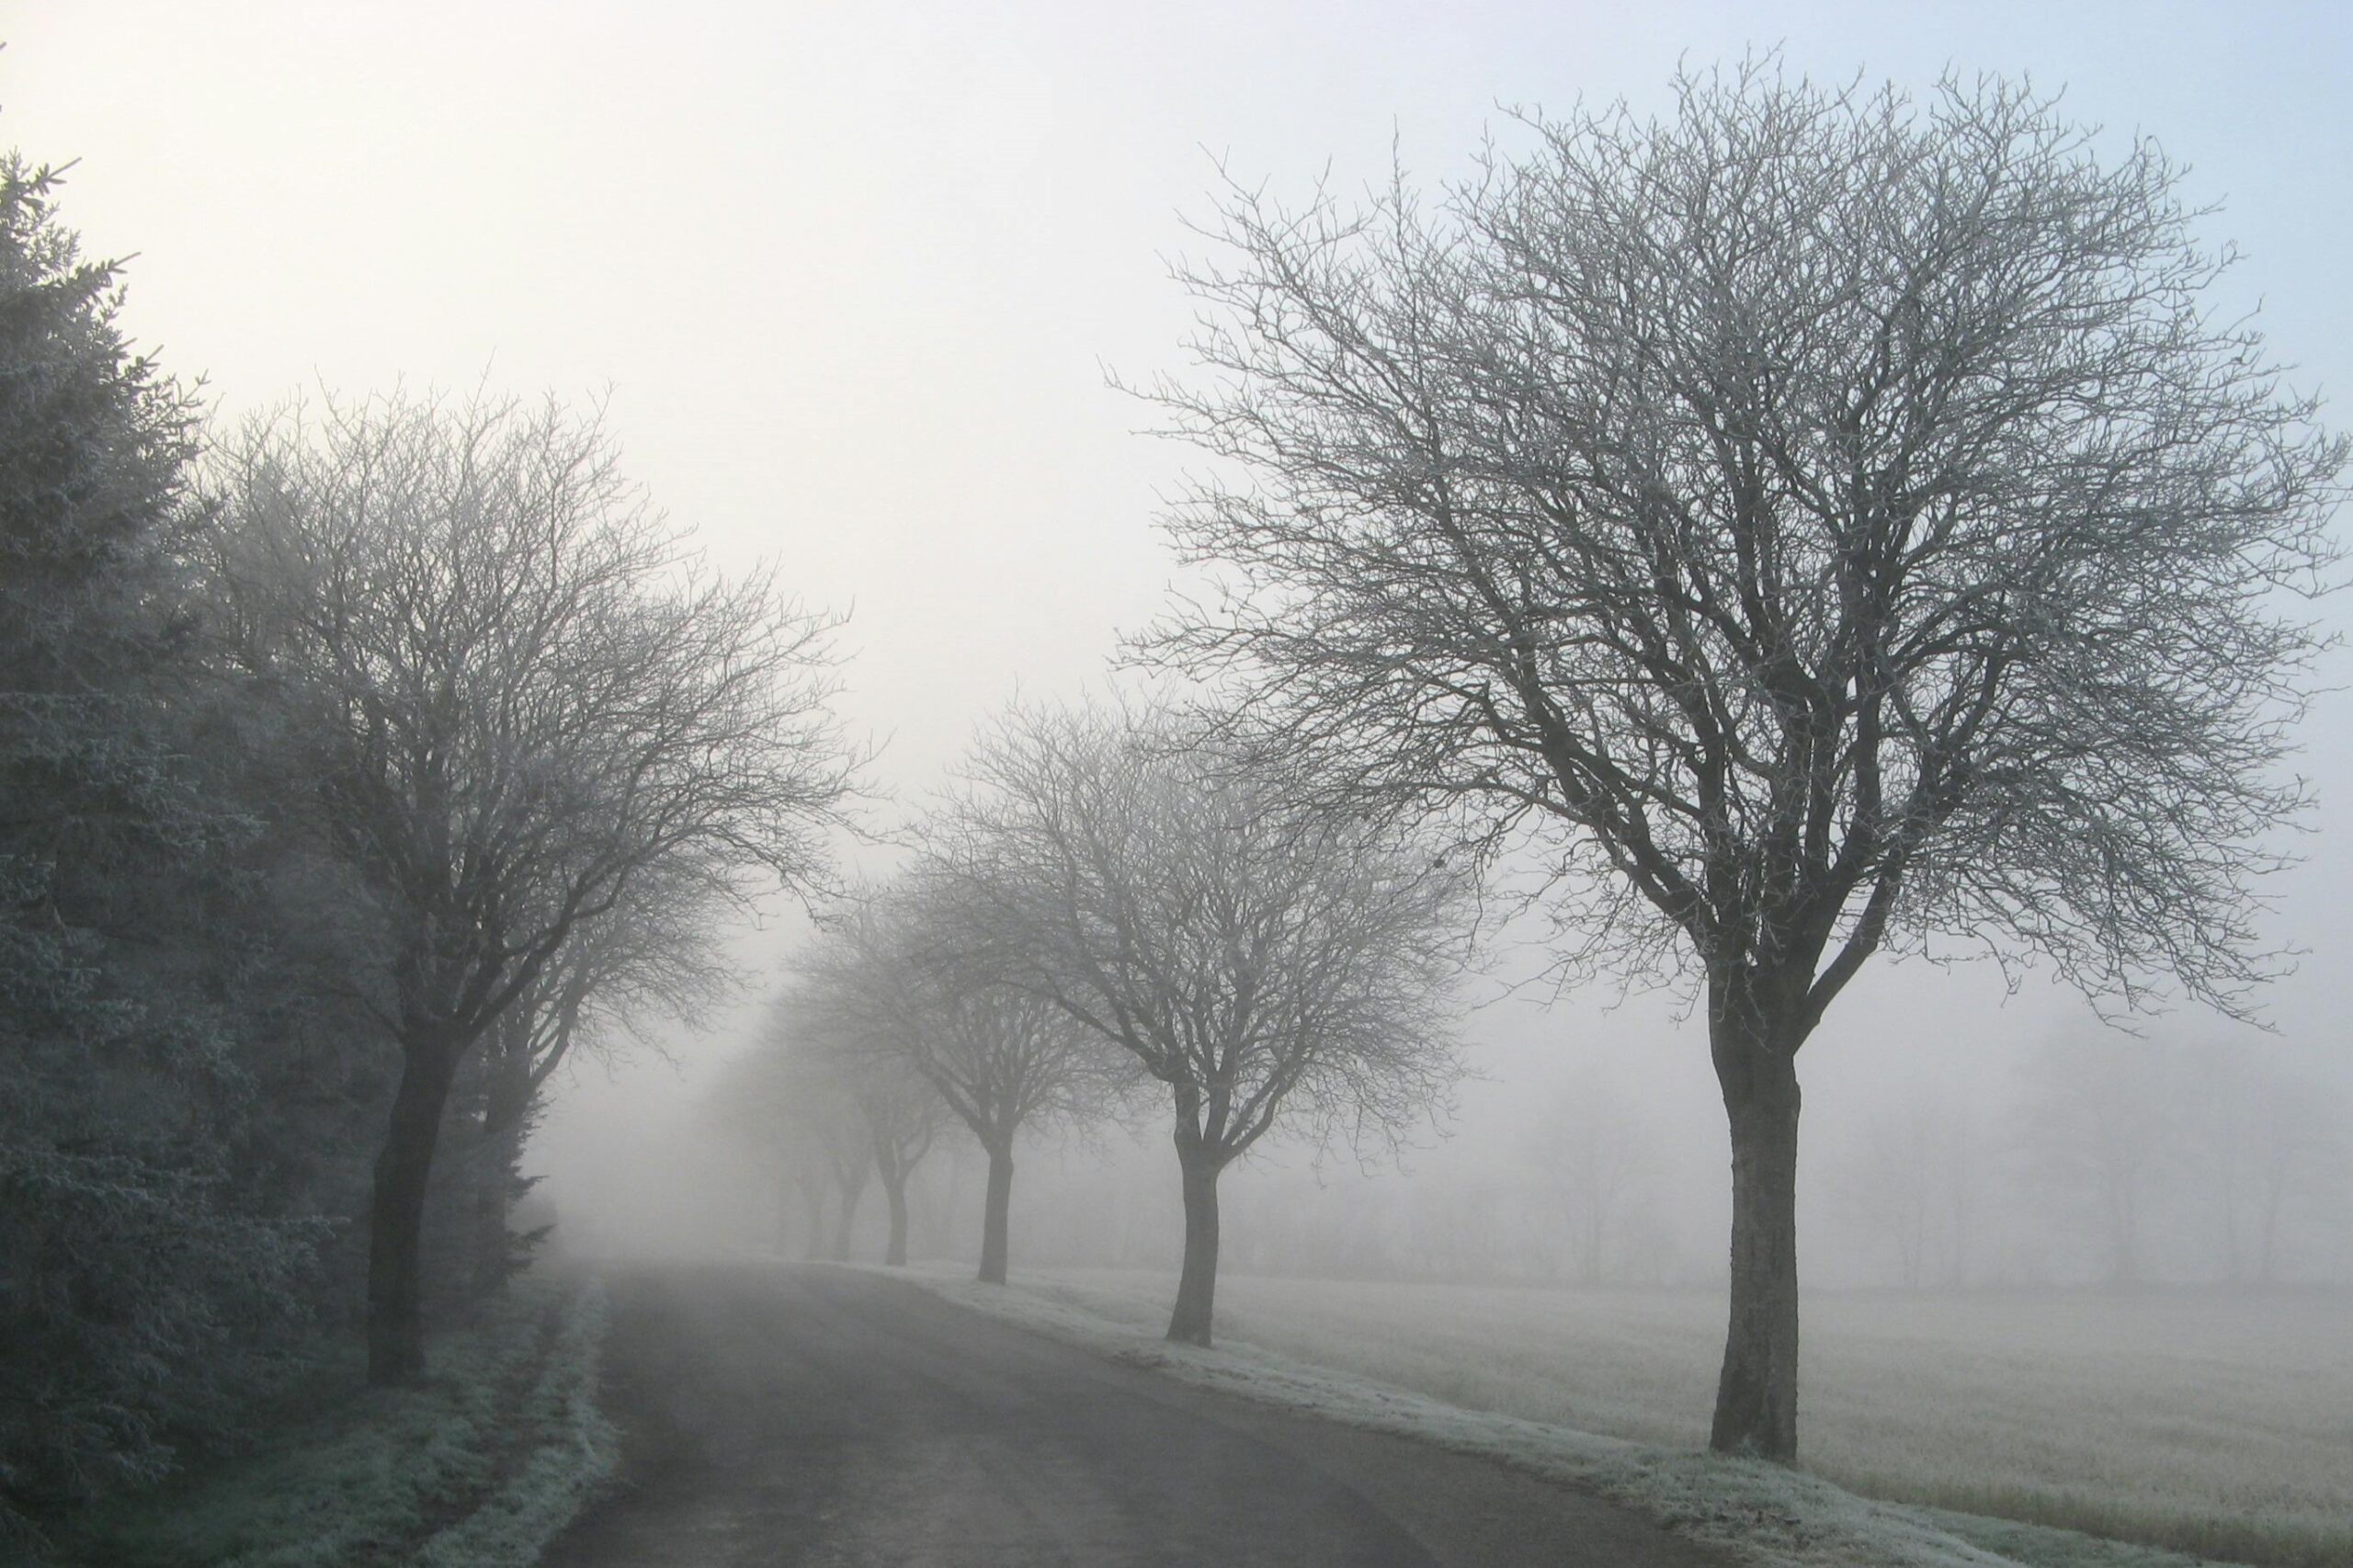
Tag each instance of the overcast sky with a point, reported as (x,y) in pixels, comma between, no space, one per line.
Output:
(852,274)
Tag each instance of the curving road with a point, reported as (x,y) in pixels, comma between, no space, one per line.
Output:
(812,1416)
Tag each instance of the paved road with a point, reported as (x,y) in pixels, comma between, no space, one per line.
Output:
(822,1418)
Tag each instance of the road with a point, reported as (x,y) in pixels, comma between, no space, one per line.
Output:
(812,1416)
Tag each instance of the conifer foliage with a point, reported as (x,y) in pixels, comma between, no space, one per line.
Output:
(132,1017)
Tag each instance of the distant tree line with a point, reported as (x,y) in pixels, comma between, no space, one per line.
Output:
(358,767)
(1117,907)
(2153,1162)
(2221,1167)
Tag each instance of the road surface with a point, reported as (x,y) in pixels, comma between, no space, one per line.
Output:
(814,1416)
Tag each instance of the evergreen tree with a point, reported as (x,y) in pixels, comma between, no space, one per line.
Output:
(138,1271)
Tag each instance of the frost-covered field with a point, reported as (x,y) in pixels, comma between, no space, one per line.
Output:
(2222,1427)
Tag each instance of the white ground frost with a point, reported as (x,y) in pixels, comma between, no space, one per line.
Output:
(1766,1515)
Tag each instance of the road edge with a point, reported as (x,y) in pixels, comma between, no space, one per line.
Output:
(1763,1514)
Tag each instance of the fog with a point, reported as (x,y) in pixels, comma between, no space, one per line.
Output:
(853,284)
(1942,1153)
(852,281)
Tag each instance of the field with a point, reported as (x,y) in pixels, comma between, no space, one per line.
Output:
(2215,1427)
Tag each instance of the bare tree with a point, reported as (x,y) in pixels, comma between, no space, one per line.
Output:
(843,1036)
(1265,960)
(1001,1058)
(1823,521)
(785,1110)
(901,1115)
(525,693)
(821,1127)
(849,1161)
(1007,1061)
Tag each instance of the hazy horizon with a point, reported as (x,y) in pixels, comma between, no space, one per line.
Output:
(851,280)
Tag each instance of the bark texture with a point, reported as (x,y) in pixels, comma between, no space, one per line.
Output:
(894,1253)
(995,1218)
(1196,1284)
(1757,1394)
(396,1213)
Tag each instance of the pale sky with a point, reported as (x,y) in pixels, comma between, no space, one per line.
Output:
(853,273)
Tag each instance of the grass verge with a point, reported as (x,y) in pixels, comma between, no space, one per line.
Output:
(1764,1515)
(2199,1423)
(476,1468)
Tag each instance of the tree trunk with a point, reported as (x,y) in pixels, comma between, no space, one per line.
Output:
(396,1213)
(894,1187)
(1757,1396)
(1197,1285)
(995,1216)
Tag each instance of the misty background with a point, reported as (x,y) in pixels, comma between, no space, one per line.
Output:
(850,283)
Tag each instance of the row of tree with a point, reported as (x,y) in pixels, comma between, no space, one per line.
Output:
(2152,1160)
(2100,1161)
(1119,905)
(1813,524)
(356,764)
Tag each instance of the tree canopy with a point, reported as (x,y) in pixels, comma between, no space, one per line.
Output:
(1269,961)
(1819,520)
(526,699)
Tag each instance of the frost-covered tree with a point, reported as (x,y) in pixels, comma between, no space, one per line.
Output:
(156,1210)
(524,696)
(1268,960)
(845,1062)
(649,959)
(904,987)
(1816,522)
